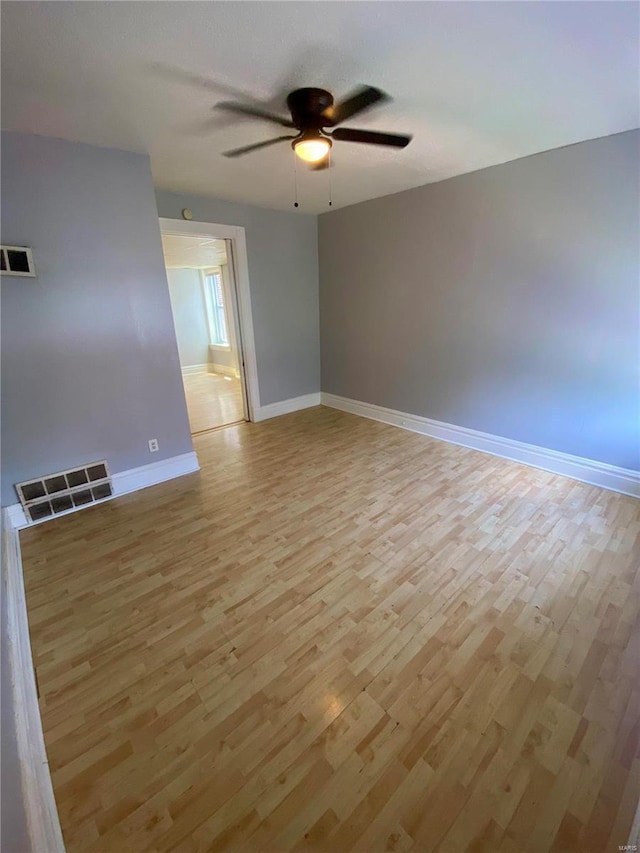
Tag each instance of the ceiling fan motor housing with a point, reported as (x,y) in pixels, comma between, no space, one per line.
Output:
(312,111)
(307,107)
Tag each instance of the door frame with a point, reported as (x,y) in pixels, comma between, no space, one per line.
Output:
(241,296)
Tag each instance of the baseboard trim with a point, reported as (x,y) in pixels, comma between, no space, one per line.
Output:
(157,472)
(224,369)
(285,407)
(124,483)
(15,516)
(39,801)
(622,480)
(190,369)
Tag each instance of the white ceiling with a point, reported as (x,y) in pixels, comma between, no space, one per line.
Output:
(186,252)
(476,83)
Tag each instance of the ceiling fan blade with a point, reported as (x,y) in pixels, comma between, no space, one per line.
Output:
(206,126)
(176,74)
(371,137)
(357,102)
(254,112)
(246,149)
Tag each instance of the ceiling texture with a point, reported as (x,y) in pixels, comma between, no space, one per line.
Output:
(476,83)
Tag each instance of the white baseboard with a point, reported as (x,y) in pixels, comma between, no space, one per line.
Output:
(157,472)
(14,515)
(37,790)
(586,470)
(189,369)
(225,370)
(285,407)
(123,483)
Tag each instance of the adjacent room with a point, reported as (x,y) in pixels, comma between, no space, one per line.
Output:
(320,377)
(201,288)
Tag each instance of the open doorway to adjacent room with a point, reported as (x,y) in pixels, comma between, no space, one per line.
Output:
(202,289)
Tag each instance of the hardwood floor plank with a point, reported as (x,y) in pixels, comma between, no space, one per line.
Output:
(341,636)
(213,400)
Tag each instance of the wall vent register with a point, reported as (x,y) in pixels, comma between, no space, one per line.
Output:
(16,260)
(66,490)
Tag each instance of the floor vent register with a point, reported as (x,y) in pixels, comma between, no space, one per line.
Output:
(64,491)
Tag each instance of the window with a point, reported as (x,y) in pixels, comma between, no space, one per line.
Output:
(215,303)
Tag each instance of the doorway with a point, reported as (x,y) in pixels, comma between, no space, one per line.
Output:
(203,291)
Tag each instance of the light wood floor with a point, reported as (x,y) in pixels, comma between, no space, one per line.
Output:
(341,636)
(213,400)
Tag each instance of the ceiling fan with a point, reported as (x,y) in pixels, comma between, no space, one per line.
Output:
(312,112)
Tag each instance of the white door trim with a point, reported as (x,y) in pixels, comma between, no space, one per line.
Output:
(240,264)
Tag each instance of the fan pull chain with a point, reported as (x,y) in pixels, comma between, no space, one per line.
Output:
(295,178)
(330,201)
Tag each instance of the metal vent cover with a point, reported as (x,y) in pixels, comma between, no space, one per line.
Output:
(66,490)
(17,260)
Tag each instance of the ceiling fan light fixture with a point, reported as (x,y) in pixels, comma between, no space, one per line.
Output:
(312,111)
(312,147)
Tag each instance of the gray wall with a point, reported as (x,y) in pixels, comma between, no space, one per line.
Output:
(283,270)
(505,300)
(89,360)
(189,315)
